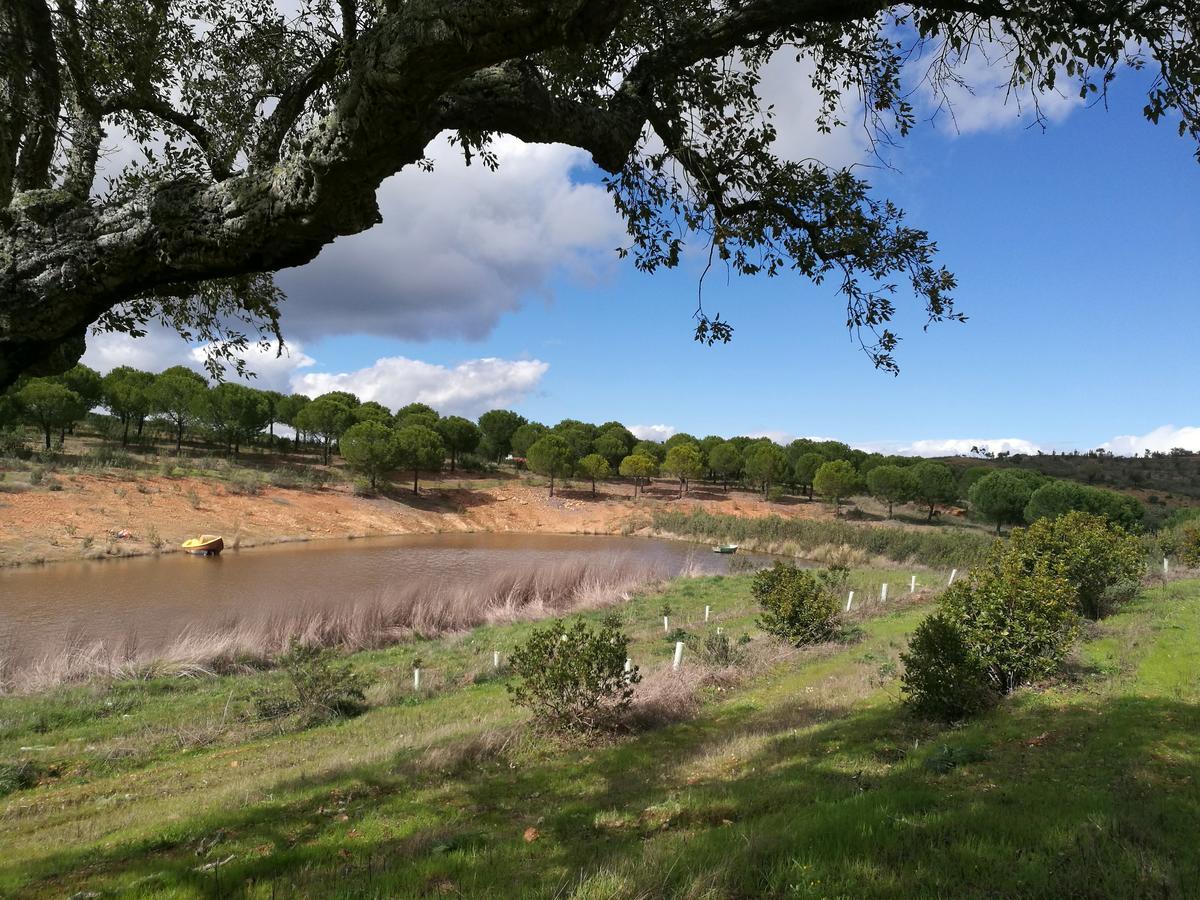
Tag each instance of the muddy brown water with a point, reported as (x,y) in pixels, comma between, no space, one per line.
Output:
(157,598)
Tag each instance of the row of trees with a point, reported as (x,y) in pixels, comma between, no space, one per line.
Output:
(374,440)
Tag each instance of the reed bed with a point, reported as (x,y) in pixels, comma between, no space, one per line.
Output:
(420,609)
(826,541)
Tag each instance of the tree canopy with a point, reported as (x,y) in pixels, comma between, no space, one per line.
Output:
(265,134)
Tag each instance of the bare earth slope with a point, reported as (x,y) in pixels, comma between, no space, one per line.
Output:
(93,516)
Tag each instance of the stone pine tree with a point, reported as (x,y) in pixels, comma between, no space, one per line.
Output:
(641,468)
(371,449)
(835,481)
(891,484)
(271,134)
(594,466)
(933,483)
(551,456)
(49,405)
(685,463)
(459,435)
(419,448)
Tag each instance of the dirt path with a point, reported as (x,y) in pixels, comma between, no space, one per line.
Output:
(97,515)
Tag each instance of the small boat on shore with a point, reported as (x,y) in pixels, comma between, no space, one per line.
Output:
(205,545)
(726,548)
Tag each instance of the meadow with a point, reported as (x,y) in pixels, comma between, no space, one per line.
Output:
(797,773)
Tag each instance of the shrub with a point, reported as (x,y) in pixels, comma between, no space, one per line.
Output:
(36,474)
(798,605)
(1019,624)
(942,678)
(244,481)
(16,776)
(1188,545)
(1086,550)
(320,689)
(718,650)
(13,445)
(573,678)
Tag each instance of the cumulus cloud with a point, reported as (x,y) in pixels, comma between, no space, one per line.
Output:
(468,389)
(162,348)
(1160,440)
(787,85)
(458,247)
(652,432)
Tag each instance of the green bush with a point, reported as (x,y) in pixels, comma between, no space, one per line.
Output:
(798,605)
(244,481)
(16,776)
(319,689)
(1187,544)
(1018,624)
(718,649)
(572,678)
(1086,550)
(13,446)
(942,678)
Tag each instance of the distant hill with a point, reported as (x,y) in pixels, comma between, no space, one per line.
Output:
(1163,482)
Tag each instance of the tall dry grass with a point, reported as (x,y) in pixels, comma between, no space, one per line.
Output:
(420,609)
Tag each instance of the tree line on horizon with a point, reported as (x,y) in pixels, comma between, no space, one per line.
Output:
(375,441)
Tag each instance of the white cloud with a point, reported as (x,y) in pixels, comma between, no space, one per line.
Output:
(162,348)
(779,437)
(984,100)
(468,389)
(652,432)
(787,84)
(458,247)
(1161,439)
(950,446)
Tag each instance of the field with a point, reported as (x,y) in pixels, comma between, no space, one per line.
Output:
(798,774)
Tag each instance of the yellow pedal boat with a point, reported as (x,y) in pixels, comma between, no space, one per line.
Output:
(205,545)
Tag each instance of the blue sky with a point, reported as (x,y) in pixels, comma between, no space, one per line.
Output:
(1075,249)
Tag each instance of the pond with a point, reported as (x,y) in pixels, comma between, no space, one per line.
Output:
(149,601)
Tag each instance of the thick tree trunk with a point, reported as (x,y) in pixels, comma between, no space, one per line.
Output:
(125,434)
(420,69)
(47,430)
(416,472)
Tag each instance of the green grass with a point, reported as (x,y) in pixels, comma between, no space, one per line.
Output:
(807,781)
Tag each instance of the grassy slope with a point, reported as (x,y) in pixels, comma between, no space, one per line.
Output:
(810,781)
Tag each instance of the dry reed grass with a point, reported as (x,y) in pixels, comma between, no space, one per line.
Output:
(424,609)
